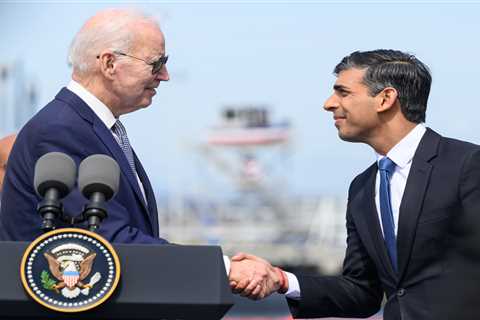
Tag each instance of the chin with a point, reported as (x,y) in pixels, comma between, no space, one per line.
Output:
(348,137)
(145,103)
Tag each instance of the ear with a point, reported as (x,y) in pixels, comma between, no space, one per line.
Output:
(108,62)
(387,99)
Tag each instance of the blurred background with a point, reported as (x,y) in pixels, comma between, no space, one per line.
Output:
(237,145)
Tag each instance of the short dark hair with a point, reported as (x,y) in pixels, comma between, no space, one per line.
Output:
(392,68)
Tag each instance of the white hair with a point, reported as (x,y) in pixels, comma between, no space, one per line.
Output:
(113,33)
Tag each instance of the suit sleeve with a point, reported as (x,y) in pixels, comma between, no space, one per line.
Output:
(117,227)
(355,293)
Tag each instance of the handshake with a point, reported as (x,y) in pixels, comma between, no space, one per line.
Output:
(255,278)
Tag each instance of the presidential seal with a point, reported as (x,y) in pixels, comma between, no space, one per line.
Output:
(70,270)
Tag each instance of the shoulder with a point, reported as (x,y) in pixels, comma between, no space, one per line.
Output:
(448,145)
(62,114)
(56,127)
(456,145)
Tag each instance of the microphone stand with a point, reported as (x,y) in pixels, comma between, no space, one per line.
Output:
(50,208)
(95,211)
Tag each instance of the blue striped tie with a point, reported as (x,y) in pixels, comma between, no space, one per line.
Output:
(387,167)
(124,143)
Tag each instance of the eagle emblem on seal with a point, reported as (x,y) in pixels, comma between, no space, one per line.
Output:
(70,264)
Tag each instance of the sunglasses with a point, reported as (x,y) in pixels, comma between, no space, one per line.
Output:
(156,65)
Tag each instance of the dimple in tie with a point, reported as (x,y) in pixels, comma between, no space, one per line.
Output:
(387,167)
(124,143)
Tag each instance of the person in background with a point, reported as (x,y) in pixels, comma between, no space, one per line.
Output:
(6,144)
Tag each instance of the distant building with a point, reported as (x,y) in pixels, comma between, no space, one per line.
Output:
(18,97)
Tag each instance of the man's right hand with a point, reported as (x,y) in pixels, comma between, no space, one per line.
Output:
(255,278)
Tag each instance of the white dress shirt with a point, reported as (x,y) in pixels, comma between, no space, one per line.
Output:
(402,154)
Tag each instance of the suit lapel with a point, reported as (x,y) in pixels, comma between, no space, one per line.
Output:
(108,140)
(149,194)
(413,196)
(364,208)
(373,222)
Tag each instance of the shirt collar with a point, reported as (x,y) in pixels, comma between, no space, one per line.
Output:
(402,153)
(97,106)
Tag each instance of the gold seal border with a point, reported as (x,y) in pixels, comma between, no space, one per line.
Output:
(61,231)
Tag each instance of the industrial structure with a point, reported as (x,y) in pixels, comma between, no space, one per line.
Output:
(245,202)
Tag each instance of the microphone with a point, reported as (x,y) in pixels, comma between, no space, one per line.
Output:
(98,180)
(54,178)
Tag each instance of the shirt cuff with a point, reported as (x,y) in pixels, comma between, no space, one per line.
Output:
(226,261)
(293,291)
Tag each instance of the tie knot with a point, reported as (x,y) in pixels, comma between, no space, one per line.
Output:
(122,139)
(386,164)
(118,128)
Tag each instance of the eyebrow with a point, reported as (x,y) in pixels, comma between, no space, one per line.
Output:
(157,56)
(339,87)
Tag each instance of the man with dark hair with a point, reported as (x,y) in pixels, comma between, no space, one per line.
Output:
(384,68)
(413,216)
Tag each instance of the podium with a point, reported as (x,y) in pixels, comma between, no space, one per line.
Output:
(157,282)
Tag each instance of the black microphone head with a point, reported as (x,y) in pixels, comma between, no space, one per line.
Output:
(99,173)
(54,170)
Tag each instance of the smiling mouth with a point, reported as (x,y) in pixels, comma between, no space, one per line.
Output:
(338,120)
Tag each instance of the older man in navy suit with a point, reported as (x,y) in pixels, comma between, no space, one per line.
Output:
(118,60)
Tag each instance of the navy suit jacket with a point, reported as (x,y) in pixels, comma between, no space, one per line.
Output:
(438,244)
(68,125)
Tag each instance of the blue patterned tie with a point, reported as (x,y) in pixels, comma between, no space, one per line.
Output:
(386,167)
(121,133)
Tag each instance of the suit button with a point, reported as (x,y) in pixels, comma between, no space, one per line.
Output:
(401,292)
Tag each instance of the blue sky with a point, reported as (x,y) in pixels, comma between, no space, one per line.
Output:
(279,54)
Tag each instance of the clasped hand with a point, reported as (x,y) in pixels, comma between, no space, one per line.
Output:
(253,277)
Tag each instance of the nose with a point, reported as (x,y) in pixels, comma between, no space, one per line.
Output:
(331,103)
(163,74)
